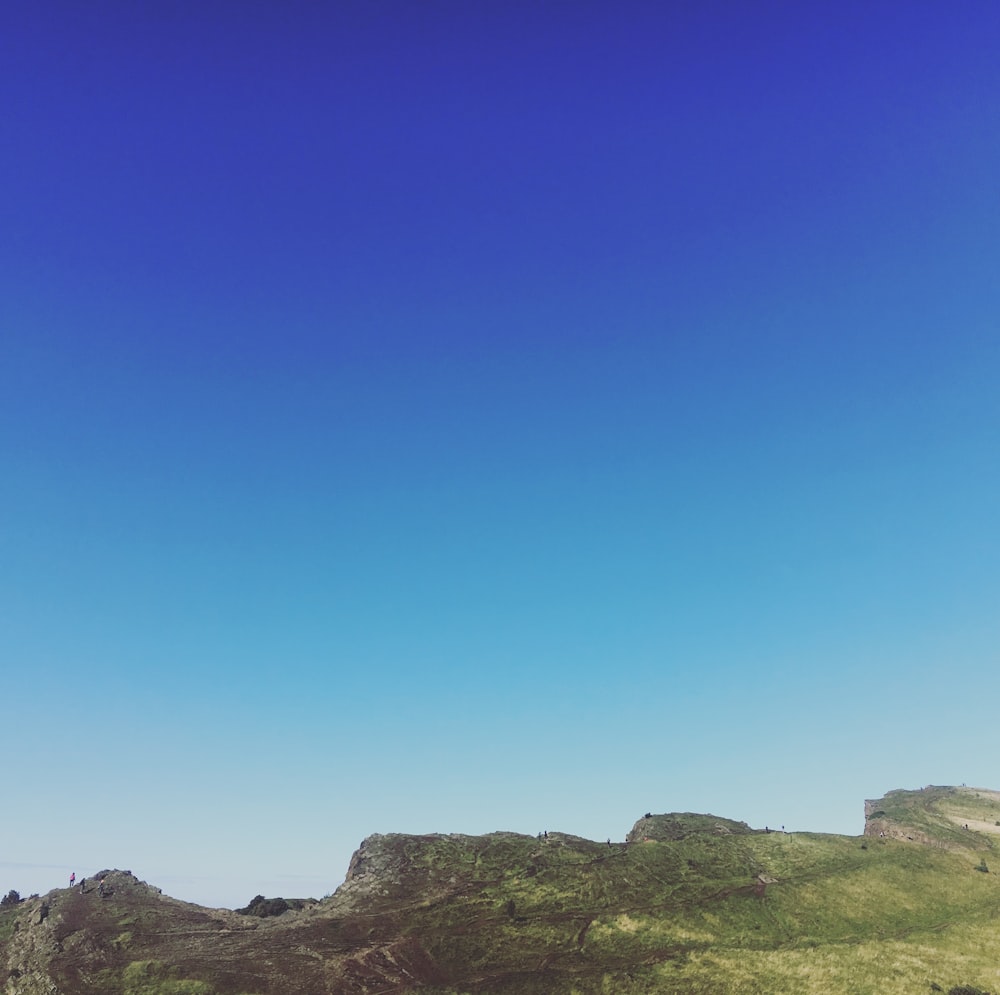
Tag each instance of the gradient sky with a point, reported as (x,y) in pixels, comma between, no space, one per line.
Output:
(458,417)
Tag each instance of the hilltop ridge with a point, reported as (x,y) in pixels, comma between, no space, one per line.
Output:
(686,902)
(963,817)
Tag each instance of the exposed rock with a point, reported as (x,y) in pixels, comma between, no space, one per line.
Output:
(30,950)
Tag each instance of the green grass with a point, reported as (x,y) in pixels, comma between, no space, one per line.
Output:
(843,914)
(8,923)
(150,977)
(122,941)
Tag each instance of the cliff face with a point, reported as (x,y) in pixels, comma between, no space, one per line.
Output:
(394,866)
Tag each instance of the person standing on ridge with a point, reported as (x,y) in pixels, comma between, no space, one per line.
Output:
(72,879)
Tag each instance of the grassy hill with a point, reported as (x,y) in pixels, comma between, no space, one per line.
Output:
(691,903)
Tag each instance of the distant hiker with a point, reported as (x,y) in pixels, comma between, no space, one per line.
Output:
(100,888)
(72,879)
(546,834)
(609,842)
(83,885)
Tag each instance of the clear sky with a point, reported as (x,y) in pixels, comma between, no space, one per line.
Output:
(454,417)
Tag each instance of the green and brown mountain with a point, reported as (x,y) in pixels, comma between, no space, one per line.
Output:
(687,903)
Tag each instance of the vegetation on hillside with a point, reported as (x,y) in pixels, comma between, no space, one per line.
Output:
(692,904)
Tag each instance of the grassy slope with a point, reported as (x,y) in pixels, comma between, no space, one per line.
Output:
(505,914)
(940,814)
(690,916)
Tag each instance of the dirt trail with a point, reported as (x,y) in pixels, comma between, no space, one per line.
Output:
(978,825)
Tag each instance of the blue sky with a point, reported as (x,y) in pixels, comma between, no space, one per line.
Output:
(454,417)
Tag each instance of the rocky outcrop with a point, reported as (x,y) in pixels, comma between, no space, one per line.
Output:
(675,826)
(31,949)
